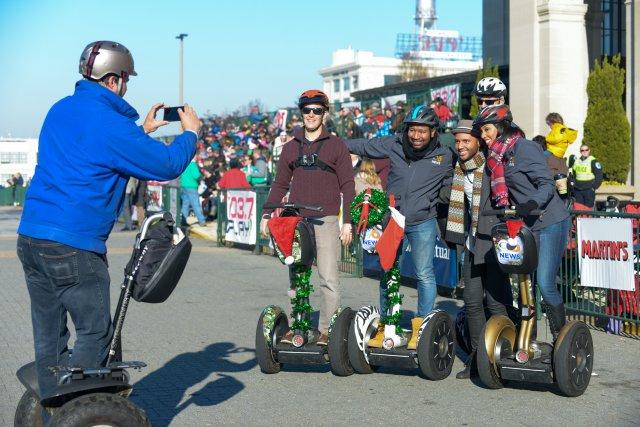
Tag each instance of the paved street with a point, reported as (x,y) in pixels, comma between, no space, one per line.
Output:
(202,371)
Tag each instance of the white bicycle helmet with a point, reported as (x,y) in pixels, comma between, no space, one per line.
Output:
(491,86)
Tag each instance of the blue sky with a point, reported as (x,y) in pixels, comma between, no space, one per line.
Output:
(236,51)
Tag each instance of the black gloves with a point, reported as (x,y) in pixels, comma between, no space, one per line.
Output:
(524,209)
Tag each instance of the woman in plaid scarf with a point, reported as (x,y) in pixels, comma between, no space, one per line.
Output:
(520,176)
(470,195)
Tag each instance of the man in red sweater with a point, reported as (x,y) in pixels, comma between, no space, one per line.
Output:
(315,168)
(234,177)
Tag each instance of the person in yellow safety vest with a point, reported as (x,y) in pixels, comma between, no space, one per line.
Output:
(560,136)
(586,174)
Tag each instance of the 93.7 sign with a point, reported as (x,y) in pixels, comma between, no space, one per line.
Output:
(241,217)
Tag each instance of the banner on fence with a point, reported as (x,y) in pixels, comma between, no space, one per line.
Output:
(280,119)
(241,217)
(391,101)
(605,253)
(450,94)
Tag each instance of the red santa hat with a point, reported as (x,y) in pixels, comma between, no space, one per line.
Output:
(282,230)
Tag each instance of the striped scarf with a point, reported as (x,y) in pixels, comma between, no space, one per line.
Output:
(455,217)
(495,163)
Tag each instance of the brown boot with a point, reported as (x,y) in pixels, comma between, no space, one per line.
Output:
(415,328)
(376,340)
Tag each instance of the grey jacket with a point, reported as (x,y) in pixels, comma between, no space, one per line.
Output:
(416,185)
(528,178)
(483,245)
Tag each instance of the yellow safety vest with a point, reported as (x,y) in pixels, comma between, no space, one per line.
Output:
(582,169)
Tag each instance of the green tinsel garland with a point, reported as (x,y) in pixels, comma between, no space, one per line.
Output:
(300,303)
(392,297)
(378,198)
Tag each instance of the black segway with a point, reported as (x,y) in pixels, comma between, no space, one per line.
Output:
(92,396)
(507,351)
(273,322)
(435,349)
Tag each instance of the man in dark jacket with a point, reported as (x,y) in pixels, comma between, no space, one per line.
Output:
(420,167)
(315,168)
(470,195)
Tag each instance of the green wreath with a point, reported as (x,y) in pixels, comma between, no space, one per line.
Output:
(379,204)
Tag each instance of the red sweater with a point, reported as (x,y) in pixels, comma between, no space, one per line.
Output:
(234,178)
(315,186)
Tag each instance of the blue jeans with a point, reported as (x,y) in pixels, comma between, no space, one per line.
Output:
(190,199)
(62,280)
(422,239)
(552,242)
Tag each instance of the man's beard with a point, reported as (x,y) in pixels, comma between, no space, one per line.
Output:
(308,129)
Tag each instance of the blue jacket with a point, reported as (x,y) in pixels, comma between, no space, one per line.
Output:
(89,147)
(416,185)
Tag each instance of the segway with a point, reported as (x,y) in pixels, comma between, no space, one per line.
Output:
(91,396)
(435,350)
(507,351)
(294,241)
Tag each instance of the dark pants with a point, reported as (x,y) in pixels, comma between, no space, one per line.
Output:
(483,282)
(587,197)
(62,280)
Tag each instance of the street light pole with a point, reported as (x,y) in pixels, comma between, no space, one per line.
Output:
(181,36)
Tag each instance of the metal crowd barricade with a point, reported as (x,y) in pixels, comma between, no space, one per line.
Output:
(350,259)
(611,309)
(6,196)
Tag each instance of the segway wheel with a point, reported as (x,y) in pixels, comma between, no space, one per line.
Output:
(573,359)
(356,355)
(486,369)
(264,349)
(29,411)
(338,344)
(99,409)
(437,346)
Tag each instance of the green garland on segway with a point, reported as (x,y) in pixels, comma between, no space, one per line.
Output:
(369,212)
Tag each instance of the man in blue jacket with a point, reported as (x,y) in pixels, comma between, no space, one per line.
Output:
(89,147)
(420,168)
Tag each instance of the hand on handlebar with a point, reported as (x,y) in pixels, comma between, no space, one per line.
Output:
(525,209)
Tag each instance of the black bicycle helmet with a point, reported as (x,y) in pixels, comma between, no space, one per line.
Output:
(422,115)
(493,114)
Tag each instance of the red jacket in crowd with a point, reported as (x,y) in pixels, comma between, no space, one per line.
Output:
(234,178)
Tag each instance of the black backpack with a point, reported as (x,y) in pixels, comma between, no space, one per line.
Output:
(157,264)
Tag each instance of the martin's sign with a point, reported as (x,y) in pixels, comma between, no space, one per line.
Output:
(605,249)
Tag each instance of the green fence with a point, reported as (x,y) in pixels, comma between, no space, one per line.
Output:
(6,196)
(618,311)
(350,259)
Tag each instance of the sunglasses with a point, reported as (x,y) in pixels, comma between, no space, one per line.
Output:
(584,150)
(487,101)
(317,111)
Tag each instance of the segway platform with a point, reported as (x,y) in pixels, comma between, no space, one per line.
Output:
(309,353)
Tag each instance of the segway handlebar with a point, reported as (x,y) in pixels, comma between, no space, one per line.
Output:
(292,206)
(509,212)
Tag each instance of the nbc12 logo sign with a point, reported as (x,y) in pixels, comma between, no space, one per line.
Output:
(605,253)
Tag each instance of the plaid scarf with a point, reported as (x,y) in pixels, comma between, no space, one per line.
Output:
(495,163)
(455,217)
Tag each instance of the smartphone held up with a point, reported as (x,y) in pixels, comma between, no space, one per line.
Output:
(171,113)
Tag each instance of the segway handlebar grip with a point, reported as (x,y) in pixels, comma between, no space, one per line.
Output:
(509,212)
(292,206)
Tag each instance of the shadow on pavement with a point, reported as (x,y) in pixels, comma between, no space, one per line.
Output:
(161,392)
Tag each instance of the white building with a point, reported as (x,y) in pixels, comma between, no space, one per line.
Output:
(355,70)
(18,155)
